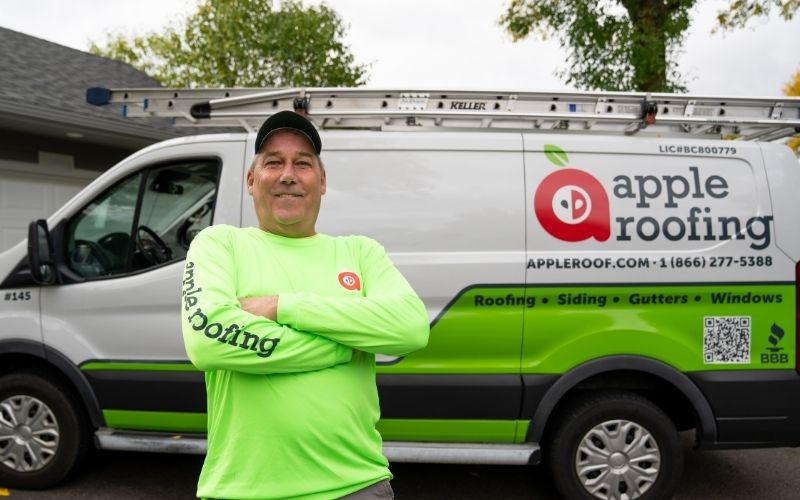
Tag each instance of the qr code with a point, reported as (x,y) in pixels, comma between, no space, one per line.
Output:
(726,339)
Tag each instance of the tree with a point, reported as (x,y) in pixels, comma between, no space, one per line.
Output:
(244,43)
(624,44)
(793,89)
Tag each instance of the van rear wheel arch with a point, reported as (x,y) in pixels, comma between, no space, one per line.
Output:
(641,375)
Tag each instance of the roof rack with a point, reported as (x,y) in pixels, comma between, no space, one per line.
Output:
(743,118)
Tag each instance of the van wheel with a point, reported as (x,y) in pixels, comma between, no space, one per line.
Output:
(614,446)
(43,433)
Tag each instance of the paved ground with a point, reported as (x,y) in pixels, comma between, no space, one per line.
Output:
(729,475)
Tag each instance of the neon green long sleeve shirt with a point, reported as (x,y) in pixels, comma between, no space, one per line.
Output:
(292,403)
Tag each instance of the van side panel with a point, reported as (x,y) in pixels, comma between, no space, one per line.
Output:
(635,250)
(669,252)
(783,170)
(450,213)
(19,314)
(753,408)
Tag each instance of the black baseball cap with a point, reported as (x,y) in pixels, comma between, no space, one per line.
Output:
(290,120)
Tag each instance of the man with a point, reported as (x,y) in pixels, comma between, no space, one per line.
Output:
(285,323)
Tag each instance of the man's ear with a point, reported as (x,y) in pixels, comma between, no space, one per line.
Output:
(324,180)
(250,179)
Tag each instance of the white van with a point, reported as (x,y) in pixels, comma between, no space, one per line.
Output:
(595,281)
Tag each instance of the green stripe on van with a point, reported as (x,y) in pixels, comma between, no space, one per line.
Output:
(522,430)
(156,420)
(153,366)
(495,431)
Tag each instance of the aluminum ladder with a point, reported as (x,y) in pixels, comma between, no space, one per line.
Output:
(627,113)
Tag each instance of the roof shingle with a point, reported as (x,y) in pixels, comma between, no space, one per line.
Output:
(44,76)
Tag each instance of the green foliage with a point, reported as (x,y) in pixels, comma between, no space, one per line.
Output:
(244,43)
(792,88)
(627,45)
(611,45)
(739,12)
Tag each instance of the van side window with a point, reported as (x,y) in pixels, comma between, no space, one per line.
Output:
(143,221)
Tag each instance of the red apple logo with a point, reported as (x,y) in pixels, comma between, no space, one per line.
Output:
(571,204)
(350,281)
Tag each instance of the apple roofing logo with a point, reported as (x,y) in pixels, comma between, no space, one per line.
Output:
(571,204)
(349,280)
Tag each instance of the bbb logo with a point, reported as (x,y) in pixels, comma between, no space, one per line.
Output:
(572,205)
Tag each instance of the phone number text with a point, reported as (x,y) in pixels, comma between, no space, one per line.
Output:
(699,262)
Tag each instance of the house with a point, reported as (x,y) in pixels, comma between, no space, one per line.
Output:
(52,143)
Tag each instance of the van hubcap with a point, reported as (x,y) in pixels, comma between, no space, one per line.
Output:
(28,434)
(617,460)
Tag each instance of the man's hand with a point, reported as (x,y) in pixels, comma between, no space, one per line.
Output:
(266,306)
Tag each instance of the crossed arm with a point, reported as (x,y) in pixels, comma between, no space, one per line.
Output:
(297,331)
(266,306)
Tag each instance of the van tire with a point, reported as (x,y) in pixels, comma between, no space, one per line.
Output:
(53,415)
(603,414)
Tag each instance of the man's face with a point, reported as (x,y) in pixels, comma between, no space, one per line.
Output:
(287,182)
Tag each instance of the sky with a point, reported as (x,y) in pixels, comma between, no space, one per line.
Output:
(449,44)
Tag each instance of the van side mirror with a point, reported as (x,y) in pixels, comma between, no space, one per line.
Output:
(40,256)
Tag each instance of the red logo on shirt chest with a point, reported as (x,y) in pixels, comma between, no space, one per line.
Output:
(350,281)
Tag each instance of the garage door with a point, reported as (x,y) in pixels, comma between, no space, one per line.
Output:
(25,198)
